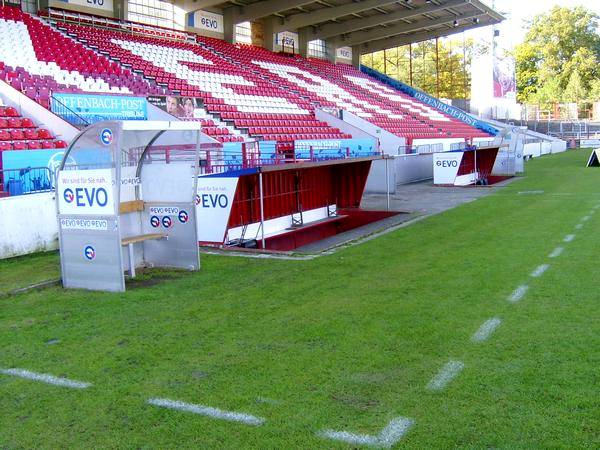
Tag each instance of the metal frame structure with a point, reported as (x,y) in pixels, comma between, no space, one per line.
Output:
(365,25)
(125,195)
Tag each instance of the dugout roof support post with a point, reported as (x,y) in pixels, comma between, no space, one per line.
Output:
(125,196)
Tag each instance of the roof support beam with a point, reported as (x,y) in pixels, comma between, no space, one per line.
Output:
(374,34)
(322,15)
(399,41)
(261,9)
(335,29)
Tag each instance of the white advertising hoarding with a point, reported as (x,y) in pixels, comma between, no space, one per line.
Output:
(208,21)
(445,167)
(86,192)
(287,39)
(344,53)
(214,199)
(104,5)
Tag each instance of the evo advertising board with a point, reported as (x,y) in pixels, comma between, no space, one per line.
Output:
(214,199)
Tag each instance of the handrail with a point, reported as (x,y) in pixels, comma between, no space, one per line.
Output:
(69,114)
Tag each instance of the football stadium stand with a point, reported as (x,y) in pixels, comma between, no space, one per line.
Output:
(266,95)
(247,92)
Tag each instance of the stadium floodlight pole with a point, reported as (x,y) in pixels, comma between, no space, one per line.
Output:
(262,208)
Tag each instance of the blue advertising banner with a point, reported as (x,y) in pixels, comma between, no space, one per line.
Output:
(335,148)
(95,108)
(431,101)
(34,170)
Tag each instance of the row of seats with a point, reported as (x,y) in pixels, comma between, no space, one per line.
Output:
(21,133)
(31,145)
(227,89)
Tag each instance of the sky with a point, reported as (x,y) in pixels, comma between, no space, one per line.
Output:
(512,30)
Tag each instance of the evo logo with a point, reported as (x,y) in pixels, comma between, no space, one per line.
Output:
(447,163)
(86,197)
(208,23)
(214,200)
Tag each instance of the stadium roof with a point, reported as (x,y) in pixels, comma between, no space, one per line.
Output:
(368,25)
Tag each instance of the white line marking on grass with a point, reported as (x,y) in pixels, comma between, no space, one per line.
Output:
(518,293)
(390,435)
(585,218)
(486,330)
(446,374)
(46,378)
(556,252)
(569,238)
(579,226)
(207,411)
(539,270)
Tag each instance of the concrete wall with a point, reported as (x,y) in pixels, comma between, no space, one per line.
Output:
(44,118)
(537,149)
(376,182)
(28,224)
(411,168)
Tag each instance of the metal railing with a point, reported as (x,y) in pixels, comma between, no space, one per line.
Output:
(62,110)
(28,180)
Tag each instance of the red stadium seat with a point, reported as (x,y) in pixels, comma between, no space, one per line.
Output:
(44,134)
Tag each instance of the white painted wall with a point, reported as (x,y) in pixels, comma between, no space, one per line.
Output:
(376,181)
(43,117)
(412,168)
(28,224)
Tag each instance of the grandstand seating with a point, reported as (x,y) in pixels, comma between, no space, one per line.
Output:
(368,88)
(21,133)
(267,95)
(229,90)
(37,59)
(345,87)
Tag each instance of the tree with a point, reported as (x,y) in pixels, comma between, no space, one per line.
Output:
(575,92)
(558,44)
(548,94)
(448,77)
(594,94)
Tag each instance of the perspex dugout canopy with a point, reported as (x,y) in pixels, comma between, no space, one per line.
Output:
(125,199)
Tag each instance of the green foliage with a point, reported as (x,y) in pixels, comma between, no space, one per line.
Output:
(558,44)
(548,93)
(575,92)
(447,76)
(594,94)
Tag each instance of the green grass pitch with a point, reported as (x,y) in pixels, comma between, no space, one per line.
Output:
(344,342)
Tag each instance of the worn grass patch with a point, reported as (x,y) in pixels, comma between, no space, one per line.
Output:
(344,342)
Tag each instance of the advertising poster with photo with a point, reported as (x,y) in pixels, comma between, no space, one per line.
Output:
(180,107)
(505,85)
